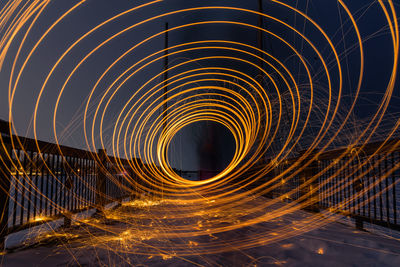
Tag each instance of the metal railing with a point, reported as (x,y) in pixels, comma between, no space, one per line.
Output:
(363,186)
(361,183)
(56,181)
(53,182)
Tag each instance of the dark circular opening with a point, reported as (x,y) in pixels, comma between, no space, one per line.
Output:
(201,150)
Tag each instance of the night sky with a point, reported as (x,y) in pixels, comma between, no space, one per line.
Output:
(203,145)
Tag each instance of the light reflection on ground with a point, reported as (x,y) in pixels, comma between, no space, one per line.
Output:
(145,233)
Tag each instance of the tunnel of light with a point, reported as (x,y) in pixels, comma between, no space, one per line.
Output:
(267,118)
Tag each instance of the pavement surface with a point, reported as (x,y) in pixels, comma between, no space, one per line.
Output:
(151,233)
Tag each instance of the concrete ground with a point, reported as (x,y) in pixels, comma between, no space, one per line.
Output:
(153,234)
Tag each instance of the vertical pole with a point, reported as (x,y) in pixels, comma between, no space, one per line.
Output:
(5,184)
(359,223)
(394,175)
(101,181)
(305,176)
(260,76)
(24,167)
(165,106)
(67,219)
(134,189)
(67,191)
(380,187)
(260,39)
(119,194)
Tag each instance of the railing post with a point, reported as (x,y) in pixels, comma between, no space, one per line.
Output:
(134,190)
(67,220)
(359,223)
(67,194)
(101,181)
(305,175)
(121,195)
(5,184)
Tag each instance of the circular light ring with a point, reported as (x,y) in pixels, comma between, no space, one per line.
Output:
(241,114)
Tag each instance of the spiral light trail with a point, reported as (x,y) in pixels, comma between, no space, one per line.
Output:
(213,80)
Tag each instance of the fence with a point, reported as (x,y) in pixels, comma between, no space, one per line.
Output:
(361,184)
(53,182)
(56,181)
